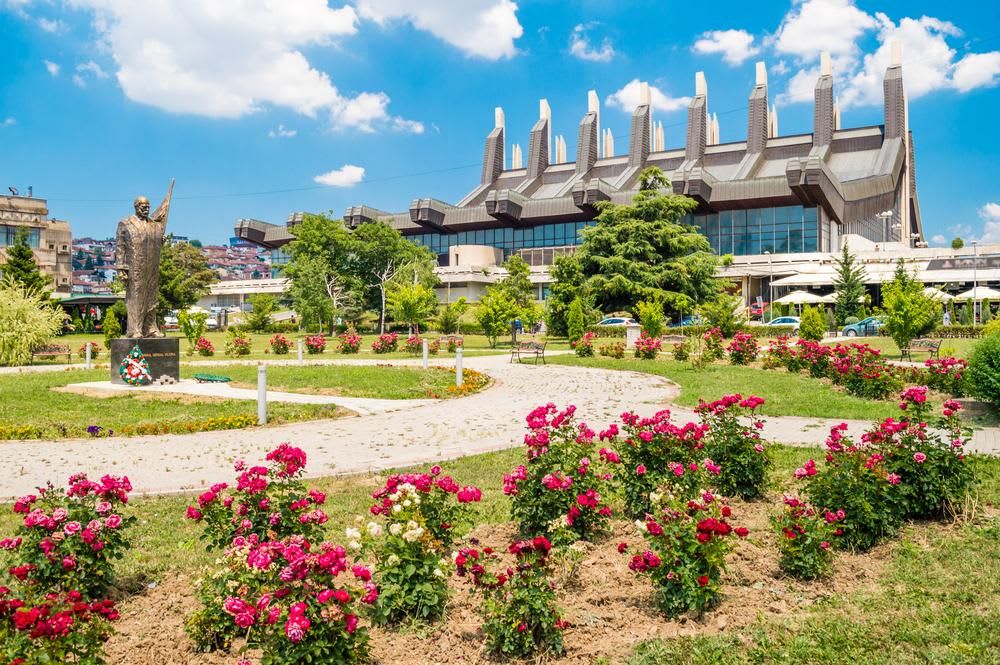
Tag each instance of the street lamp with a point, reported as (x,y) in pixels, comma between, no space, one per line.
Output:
(975,279)
(770,287)
(885,215)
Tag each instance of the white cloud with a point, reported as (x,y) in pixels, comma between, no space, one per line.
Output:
(580,46)
(837,26)
(9,121)
(51,67)
(282,133)
(481,28)
(230,58)
(346,176)
(735,46)
(88,68)
(939,239)
(630,96)
(408,126)
(990,214)
(49,25)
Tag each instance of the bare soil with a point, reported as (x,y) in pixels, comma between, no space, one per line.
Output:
(609,607)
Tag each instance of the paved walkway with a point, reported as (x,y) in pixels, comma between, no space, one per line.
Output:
(490,420)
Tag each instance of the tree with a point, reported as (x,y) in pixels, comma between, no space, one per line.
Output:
(849,286)
(21,266)
(722,312)
(380,253)
(112,326)
(495,312)
(323,282)
(259,318)
(644,251)
(184,276)
(907,310)
(98,257)
(308,291)
(811,326)
(88,263)
(27,321)
(567,285)
(450,319)
(986,312)
(412,304)
(517,283)
(574,321)
(650,315)
(957,243)
(192,325)
(196,243)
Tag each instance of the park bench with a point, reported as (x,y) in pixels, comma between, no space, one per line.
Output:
(446,341)
(52,350)
(931,346)
(211,378)
(528,348)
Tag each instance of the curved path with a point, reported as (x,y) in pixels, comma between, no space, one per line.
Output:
(421,433)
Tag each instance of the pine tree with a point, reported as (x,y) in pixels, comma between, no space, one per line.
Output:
(849,286)
(21,265)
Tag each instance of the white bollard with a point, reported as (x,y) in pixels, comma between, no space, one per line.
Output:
(458,367)
(425,354)
(262,394)
(88,355)
(300,350)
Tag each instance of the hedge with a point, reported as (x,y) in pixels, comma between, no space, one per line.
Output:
(957,332)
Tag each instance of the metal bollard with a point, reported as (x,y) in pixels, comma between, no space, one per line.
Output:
(88,355)
(458,367)
(425,354)
(262,394)
(300,350)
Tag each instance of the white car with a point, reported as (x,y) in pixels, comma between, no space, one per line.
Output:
(617,321)
(787,321)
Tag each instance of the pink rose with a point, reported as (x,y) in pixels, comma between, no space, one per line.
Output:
(919,458)
(113,521)
(72,528)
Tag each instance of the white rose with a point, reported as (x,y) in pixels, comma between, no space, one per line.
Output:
(396,529)
(352,533)
(393,560)
(407,503)
(354,545)
(438,572)
(374,529)
(397,508)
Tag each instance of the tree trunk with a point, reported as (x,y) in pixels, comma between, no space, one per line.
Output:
(381,315)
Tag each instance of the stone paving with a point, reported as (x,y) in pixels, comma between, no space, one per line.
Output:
(490,420)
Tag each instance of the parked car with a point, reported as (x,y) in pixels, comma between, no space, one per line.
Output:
(757,309)
(688,321)
(617,321)
(863,328)
(789,321)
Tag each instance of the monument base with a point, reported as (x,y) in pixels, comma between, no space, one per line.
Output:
(162,353)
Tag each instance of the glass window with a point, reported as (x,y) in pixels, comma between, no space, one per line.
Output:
(781,241)
(795,240)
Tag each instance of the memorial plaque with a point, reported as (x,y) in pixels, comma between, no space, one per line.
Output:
(163,354)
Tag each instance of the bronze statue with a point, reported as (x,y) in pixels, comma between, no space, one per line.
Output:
(138,243)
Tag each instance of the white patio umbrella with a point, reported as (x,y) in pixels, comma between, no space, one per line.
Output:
(938,295)
(800,298)
(978,294)
(831,298)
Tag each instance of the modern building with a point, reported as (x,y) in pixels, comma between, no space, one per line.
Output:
(51,240)
(780,206)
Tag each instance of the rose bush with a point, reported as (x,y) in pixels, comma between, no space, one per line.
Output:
(681,351)
(743,349)
(315,343)
(686,545)
(279,344)
(565,480)
(584,346)
(519,611)
(414,345)
(805,537)
(386,343)
(204,347)
(647,347)
(612,350)
(713,344)
(56,628)
(350,342)
(420,515)
(733,442)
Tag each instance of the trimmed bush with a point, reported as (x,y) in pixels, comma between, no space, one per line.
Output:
(984,370)
(812,326)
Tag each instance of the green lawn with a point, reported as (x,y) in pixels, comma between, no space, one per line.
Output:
(959,348)
(787,394)
(474,345)
(936,603)
(29,399)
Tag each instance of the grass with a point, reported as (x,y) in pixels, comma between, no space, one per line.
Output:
(29,399)
(959,348)
(787,394)
(937,602)
(474,345)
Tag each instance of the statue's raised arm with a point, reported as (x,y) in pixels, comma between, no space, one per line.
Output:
(163,210)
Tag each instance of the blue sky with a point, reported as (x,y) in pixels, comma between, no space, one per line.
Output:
(264,108)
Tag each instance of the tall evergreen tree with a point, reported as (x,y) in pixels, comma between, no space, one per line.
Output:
(849,285)
(21,266)
(184,276)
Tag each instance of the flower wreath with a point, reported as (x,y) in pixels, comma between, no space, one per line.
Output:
(134,368)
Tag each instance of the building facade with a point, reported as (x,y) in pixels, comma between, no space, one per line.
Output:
(51,240)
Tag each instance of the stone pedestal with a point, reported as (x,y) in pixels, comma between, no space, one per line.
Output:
(162,353)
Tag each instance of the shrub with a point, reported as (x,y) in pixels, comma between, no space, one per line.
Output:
(805,537)
(655,455)
(350,341)
(864,372)
(647,347)
(112,327)
(650,315)
(386,343)
(733,442)
(686,546)
(851,320)
(238,344)
(69,539)
(258,319)
(297,601)
(681,351)
(812,326)
(946,375)
(58,628)
(713,344)
(414,345)
(563,483)
(95,350)
(279,344)
(519,611)
(584,346)
(268,503)
(315,344)
(192,325)
(984,370)
(434,347)
(27,321)
(574,320)
(743,349)
(450,316)
(722,313)
(421,516)
(612,350)
(453,344)
(204,347)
